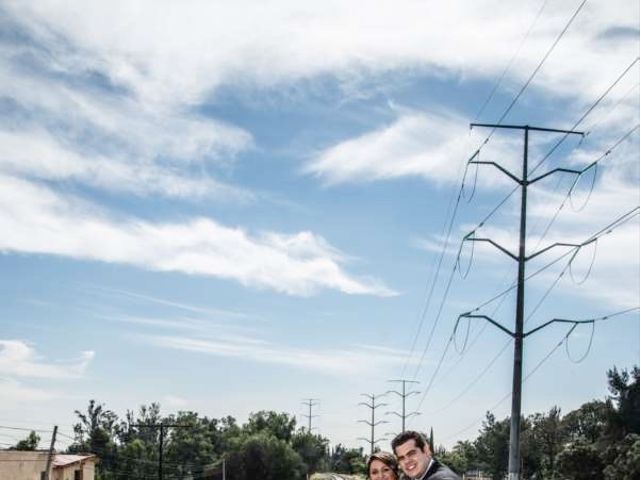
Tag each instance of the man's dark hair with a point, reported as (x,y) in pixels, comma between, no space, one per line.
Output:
(407,435)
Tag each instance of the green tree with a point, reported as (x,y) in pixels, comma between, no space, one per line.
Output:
(95,433)
(580,461)
(29,443)
(312,448)
(626,462)
(547,435)
(263,456)
(349,461)
(189,449)
(625,393)
(280,425)
(588,423)
(492,446)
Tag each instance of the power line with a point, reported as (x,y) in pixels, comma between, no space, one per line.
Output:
(562,139)
(542,361)
(508,67)
(619,221)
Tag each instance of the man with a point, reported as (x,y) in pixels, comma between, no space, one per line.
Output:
(415,458)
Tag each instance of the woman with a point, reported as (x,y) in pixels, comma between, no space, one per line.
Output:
(382,466)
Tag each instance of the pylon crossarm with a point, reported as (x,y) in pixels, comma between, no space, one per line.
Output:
(412,414)
(555,170)
(365,421)
(488,319)
(501,168)
(499,247)
(526,127)
(575,323)
(553,245)
(393,413)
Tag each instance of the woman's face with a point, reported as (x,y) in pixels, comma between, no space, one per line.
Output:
(380,471)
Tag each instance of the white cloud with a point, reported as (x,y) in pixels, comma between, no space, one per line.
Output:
(343,361)
(174,401)
(36,154)
(434,146)
(38,220)
(170,53)
(19,359)
(15,393)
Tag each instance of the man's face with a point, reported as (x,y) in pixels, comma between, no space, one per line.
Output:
(413,461)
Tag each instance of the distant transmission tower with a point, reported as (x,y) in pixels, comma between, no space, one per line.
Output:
(310,403)
(372,405)
(403,396)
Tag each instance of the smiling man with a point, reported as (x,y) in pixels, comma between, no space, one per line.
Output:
(416,460)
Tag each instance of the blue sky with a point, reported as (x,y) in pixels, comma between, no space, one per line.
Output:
(229,208)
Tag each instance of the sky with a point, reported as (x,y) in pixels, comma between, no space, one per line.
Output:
(229,207)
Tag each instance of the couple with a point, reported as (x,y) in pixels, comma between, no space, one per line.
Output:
(413,455)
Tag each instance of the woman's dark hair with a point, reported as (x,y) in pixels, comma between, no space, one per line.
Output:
(387,458)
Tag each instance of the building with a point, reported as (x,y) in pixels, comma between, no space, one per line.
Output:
(31,465)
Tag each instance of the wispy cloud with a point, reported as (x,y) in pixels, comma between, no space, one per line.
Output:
(19,359)
(67,125)
(429,145)
(149,299)
(13,392)
(37,220)
(173,62)
(343,361)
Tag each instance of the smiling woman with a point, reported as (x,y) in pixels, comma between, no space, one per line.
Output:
(382,466)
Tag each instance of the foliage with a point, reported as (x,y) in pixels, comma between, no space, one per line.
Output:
(580,461)
(600,439)
(29,443)
(312,449)
(280,425)
(347,460)
(626,464)
(492,446)
(264,456)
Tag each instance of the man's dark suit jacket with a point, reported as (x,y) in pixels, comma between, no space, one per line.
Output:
(438,471)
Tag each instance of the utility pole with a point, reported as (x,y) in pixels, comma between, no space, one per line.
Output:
(162,427)
(310,402)
(50,454)
(521,258)
(403,395)
(372,423)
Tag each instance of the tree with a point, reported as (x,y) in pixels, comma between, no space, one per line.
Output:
(547,435)
(349,461)
(312,448)
(29,443)
(588,423)
(264,456)
(625,390)
(461,458)
(626,464)
(95,433)
(580,461)
(492,446)
(189,449)
(280,425)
